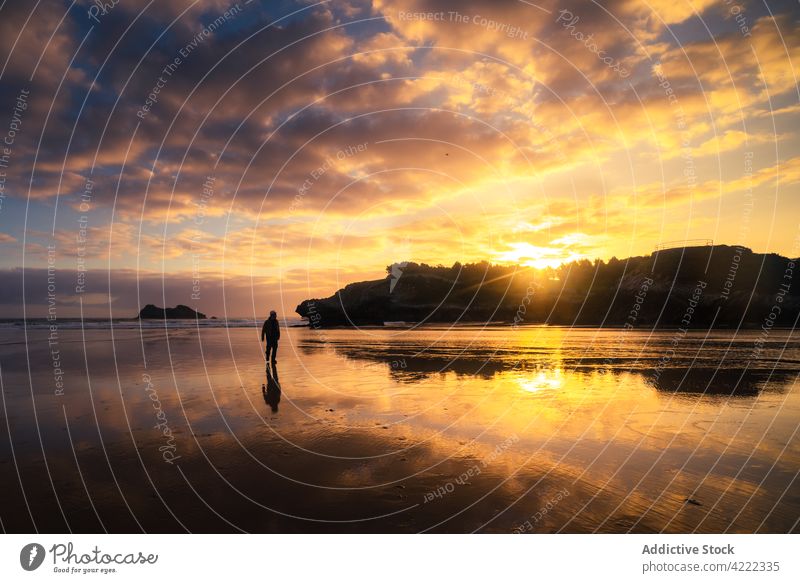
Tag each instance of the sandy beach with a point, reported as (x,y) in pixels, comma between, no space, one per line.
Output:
(534,429)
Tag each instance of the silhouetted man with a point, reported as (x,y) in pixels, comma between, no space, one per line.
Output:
(271,331)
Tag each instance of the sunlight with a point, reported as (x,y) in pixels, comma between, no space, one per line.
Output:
(546,380)
(537,257)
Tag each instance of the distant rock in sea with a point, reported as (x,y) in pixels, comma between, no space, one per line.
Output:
(179,312)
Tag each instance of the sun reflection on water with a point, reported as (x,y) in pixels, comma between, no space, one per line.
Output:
(545,380)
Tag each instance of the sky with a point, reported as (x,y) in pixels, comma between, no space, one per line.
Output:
(243,156)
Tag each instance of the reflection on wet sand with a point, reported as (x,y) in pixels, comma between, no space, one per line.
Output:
(734,382)
(406,431)
(723,376)
(271,391)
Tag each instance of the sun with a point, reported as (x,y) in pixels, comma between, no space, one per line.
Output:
(529,255)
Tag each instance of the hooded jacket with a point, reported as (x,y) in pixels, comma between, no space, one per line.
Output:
(271,330)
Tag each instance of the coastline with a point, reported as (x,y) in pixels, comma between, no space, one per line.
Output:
(128,323)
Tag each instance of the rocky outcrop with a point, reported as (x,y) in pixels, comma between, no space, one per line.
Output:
(179,312)
(357,304)
(720,286)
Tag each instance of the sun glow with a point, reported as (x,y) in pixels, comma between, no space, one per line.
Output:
(546,380)
(537,257)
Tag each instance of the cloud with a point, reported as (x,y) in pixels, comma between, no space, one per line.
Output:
(352,133)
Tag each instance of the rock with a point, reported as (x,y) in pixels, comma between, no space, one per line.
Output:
(365,305)
(578,293)
(179,312)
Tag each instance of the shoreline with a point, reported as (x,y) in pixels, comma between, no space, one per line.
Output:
(232,323)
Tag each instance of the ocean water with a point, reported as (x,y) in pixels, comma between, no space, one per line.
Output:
(135,324)
(399,429)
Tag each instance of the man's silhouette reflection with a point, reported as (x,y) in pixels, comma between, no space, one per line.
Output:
(272,390)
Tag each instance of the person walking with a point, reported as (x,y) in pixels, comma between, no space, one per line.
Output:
(271,332)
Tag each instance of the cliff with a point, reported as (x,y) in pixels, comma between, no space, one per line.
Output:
(697,287)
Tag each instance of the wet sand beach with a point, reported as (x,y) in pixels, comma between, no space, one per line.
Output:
(536,429)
